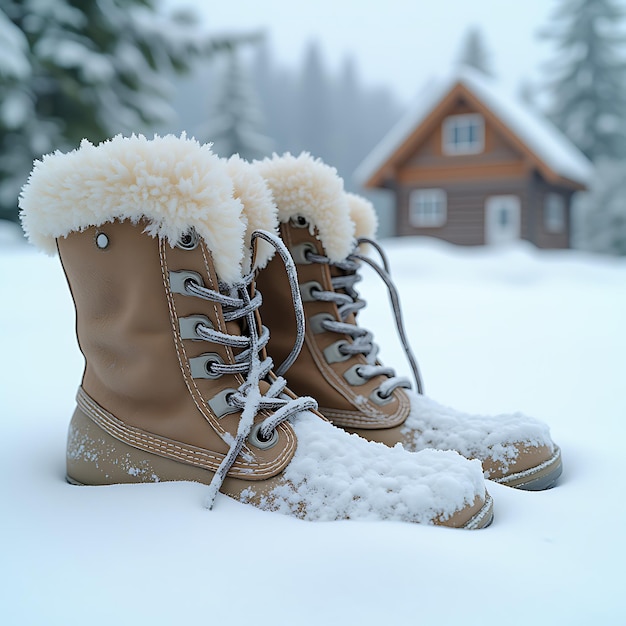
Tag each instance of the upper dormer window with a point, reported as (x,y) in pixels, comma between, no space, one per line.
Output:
(464,134)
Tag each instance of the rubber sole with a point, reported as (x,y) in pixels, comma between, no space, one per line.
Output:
(543,476)
(97,458)
(483,518)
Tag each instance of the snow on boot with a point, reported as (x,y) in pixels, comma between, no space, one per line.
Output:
(320,225)
(155,244)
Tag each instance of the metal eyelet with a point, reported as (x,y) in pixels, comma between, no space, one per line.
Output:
(307,289)
(299,252)
(102,240)
(201,366)
(354,377)
(299,221)
(189,326)
(316,322)
(258,441)
(377,398)
(220,404)
(333,353)
(179,280)
(188,240)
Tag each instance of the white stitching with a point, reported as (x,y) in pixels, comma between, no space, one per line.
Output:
(163,447)
(180,348)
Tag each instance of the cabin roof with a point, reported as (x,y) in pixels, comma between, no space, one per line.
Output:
(545,145)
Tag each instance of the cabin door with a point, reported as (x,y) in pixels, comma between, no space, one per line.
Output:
(502,219)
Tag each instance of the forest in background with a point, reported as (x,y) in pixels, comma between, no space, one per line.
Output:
(71,70)
(245,102)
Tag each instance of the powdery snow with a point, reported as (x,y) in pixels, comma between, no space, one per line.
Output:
(495,331)
(14,61)
(334,475)
(432,425)
(541,136)
(94,66)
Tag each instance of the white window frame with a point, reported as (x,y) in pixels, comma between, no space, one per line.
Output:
(451,144)
(428,208)
(554,213)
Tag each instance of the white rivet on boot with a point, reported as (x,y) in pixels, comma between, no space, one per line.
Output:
(102,241)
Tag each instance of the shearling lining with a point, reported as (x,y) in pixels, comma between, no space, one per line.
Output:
(308,187)
(172,182)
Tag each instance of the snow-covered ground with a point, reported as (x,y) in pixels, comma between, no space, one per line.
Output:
(542,332)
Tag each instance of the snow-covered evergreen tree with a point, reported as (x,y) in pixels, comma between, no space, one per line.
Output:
(357,115)
(276,88)
(601,212)
(348,118)
(474,51)
(235,124)
(589,75)
(361,116)
(314,105)
(71,69)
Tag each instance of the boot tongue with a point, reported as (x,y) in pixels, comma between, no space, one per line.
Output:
(234,327)
(336,272)
(239,327)
(365,221)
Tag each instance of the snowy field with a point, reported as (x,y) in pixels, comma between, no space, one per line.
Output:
(542,332)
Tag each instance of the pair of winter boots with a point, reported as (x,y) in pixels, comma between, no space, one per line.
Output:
(168,250)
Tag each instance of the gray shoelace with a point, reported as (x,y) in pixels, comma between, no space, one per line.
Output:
(238,304)
(345,296)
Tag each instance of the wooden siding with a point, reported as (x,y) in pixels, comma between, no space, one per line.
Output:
(467,169)
(465,224)
(540,236)
(466,201)
(502,168)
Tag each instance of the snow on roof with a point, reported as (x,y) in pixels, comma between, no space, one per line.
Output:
(535,131)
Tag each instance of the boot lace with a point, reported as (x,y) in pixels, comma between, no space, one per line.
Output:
(345,296)
(238,304)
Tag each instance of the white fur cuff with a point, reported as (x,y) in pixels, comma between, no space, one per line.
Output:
(363,215)
(306,186)
(173,182)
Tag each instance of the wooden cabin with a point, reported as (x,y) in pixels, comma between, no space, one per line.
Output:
(471,165)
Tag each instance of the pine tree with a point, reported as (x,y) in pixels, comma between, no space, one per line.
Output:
(236,121)
(474,51)
(276,88)
(340,120)
(601,211)
(348,119)
(589,84)
(314,106)
(71,69)
(361,117)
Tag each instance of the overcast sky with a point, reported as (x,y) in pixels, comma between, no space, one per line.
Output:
(399,43)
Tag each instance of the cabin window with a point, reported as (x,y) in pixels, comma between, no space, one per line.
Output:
(427,208)
(464,134)
(554,213)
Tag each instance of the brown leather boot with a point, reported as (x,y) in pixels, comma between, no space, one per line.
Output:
(338,366)
(155,243)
